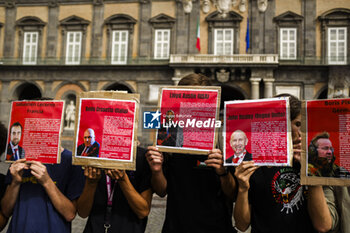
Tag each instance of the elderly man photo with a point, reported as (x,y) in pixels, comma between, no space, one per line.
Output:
(238,142)
(90,147)
(14,151)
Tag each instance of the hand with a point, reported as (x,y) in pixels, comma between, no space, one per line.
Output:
(215,160)
(154,158)
(92,174)
(116,174)
(16,170)
(243,173)
(39,171)
(297,149)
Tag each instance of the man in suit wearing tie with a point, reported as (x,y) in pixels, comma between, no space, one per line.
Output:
(14,151)
(90,147)
(238,142)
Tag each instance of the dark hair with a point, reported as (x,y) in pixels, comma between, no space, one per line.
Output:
(294,103)
(195,80)
(3,137)
(16,124)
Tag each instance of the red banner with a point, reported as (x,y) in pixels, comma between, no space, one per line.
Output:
(188,118)
(256,130)
(34,131)
(106,129)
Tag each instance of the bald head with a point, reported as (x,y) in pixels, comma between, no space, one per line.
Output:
(89,137)
(238,141)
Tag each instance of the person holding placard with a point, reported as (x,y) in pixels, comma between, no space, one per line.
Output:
(271,199)
(199,189)
(14,151)
(116,200)
(42,197)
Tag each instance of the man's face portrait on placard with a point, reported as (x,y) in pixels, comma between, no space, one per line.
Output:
(169,116)
(325,149)
(15,134)
(89,137)
(238,141)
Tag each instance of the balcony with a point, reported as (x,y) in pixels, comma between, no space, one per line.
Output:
(229,60)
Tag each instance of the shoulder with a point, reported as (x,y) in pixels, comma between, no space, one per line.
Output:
(96,144)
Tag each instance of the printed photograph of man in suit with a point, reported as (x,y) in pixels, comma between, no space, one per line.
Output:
(238,142)
(14,151)
(90,147)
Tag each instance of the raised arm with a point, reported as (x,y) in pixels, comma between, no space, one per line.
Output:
(242,210)
(140,203)
(228,184)
(318,209)
(155,161)
(63,205)
(86,199)
(10,197)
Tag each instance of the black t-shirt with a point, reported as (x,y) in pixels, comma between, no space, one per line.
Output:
(195,202)
(123,219)
(2,185)
(278,201)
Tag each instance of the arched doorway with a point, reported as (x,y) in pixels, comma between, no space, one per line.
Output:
(230,93)
(323,94)
(118,87)
(27,91)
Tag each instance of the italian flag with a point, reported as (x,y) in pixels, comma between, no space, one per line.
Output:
(198,44)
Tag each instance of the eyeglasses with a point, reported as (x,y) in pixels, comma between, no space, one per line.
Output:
(327,148)
(87,137)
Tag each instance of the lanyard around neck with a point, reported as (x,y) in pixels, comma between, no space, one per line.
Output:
(110,190)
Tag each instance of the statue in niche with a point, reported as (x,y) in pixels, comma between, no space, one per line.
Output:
(243,6)
(262,5)
(206,6)
(70,115)
(187,5)
(223,6)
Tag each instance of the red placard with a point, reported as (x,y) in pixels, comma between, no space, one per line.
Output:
(328,118)
(257,130)
(34,131)
(112,122)
(193,113)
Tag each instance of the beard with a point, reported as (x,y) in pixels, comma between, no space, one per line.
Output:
(325,167)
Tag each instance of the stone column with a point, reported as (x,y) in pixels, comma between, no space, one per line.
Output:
(255,87)
(268,92)
(308,91)
(48,90)
(5,102)
(10,33)
(97,31)
(52,32)
(145,30)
